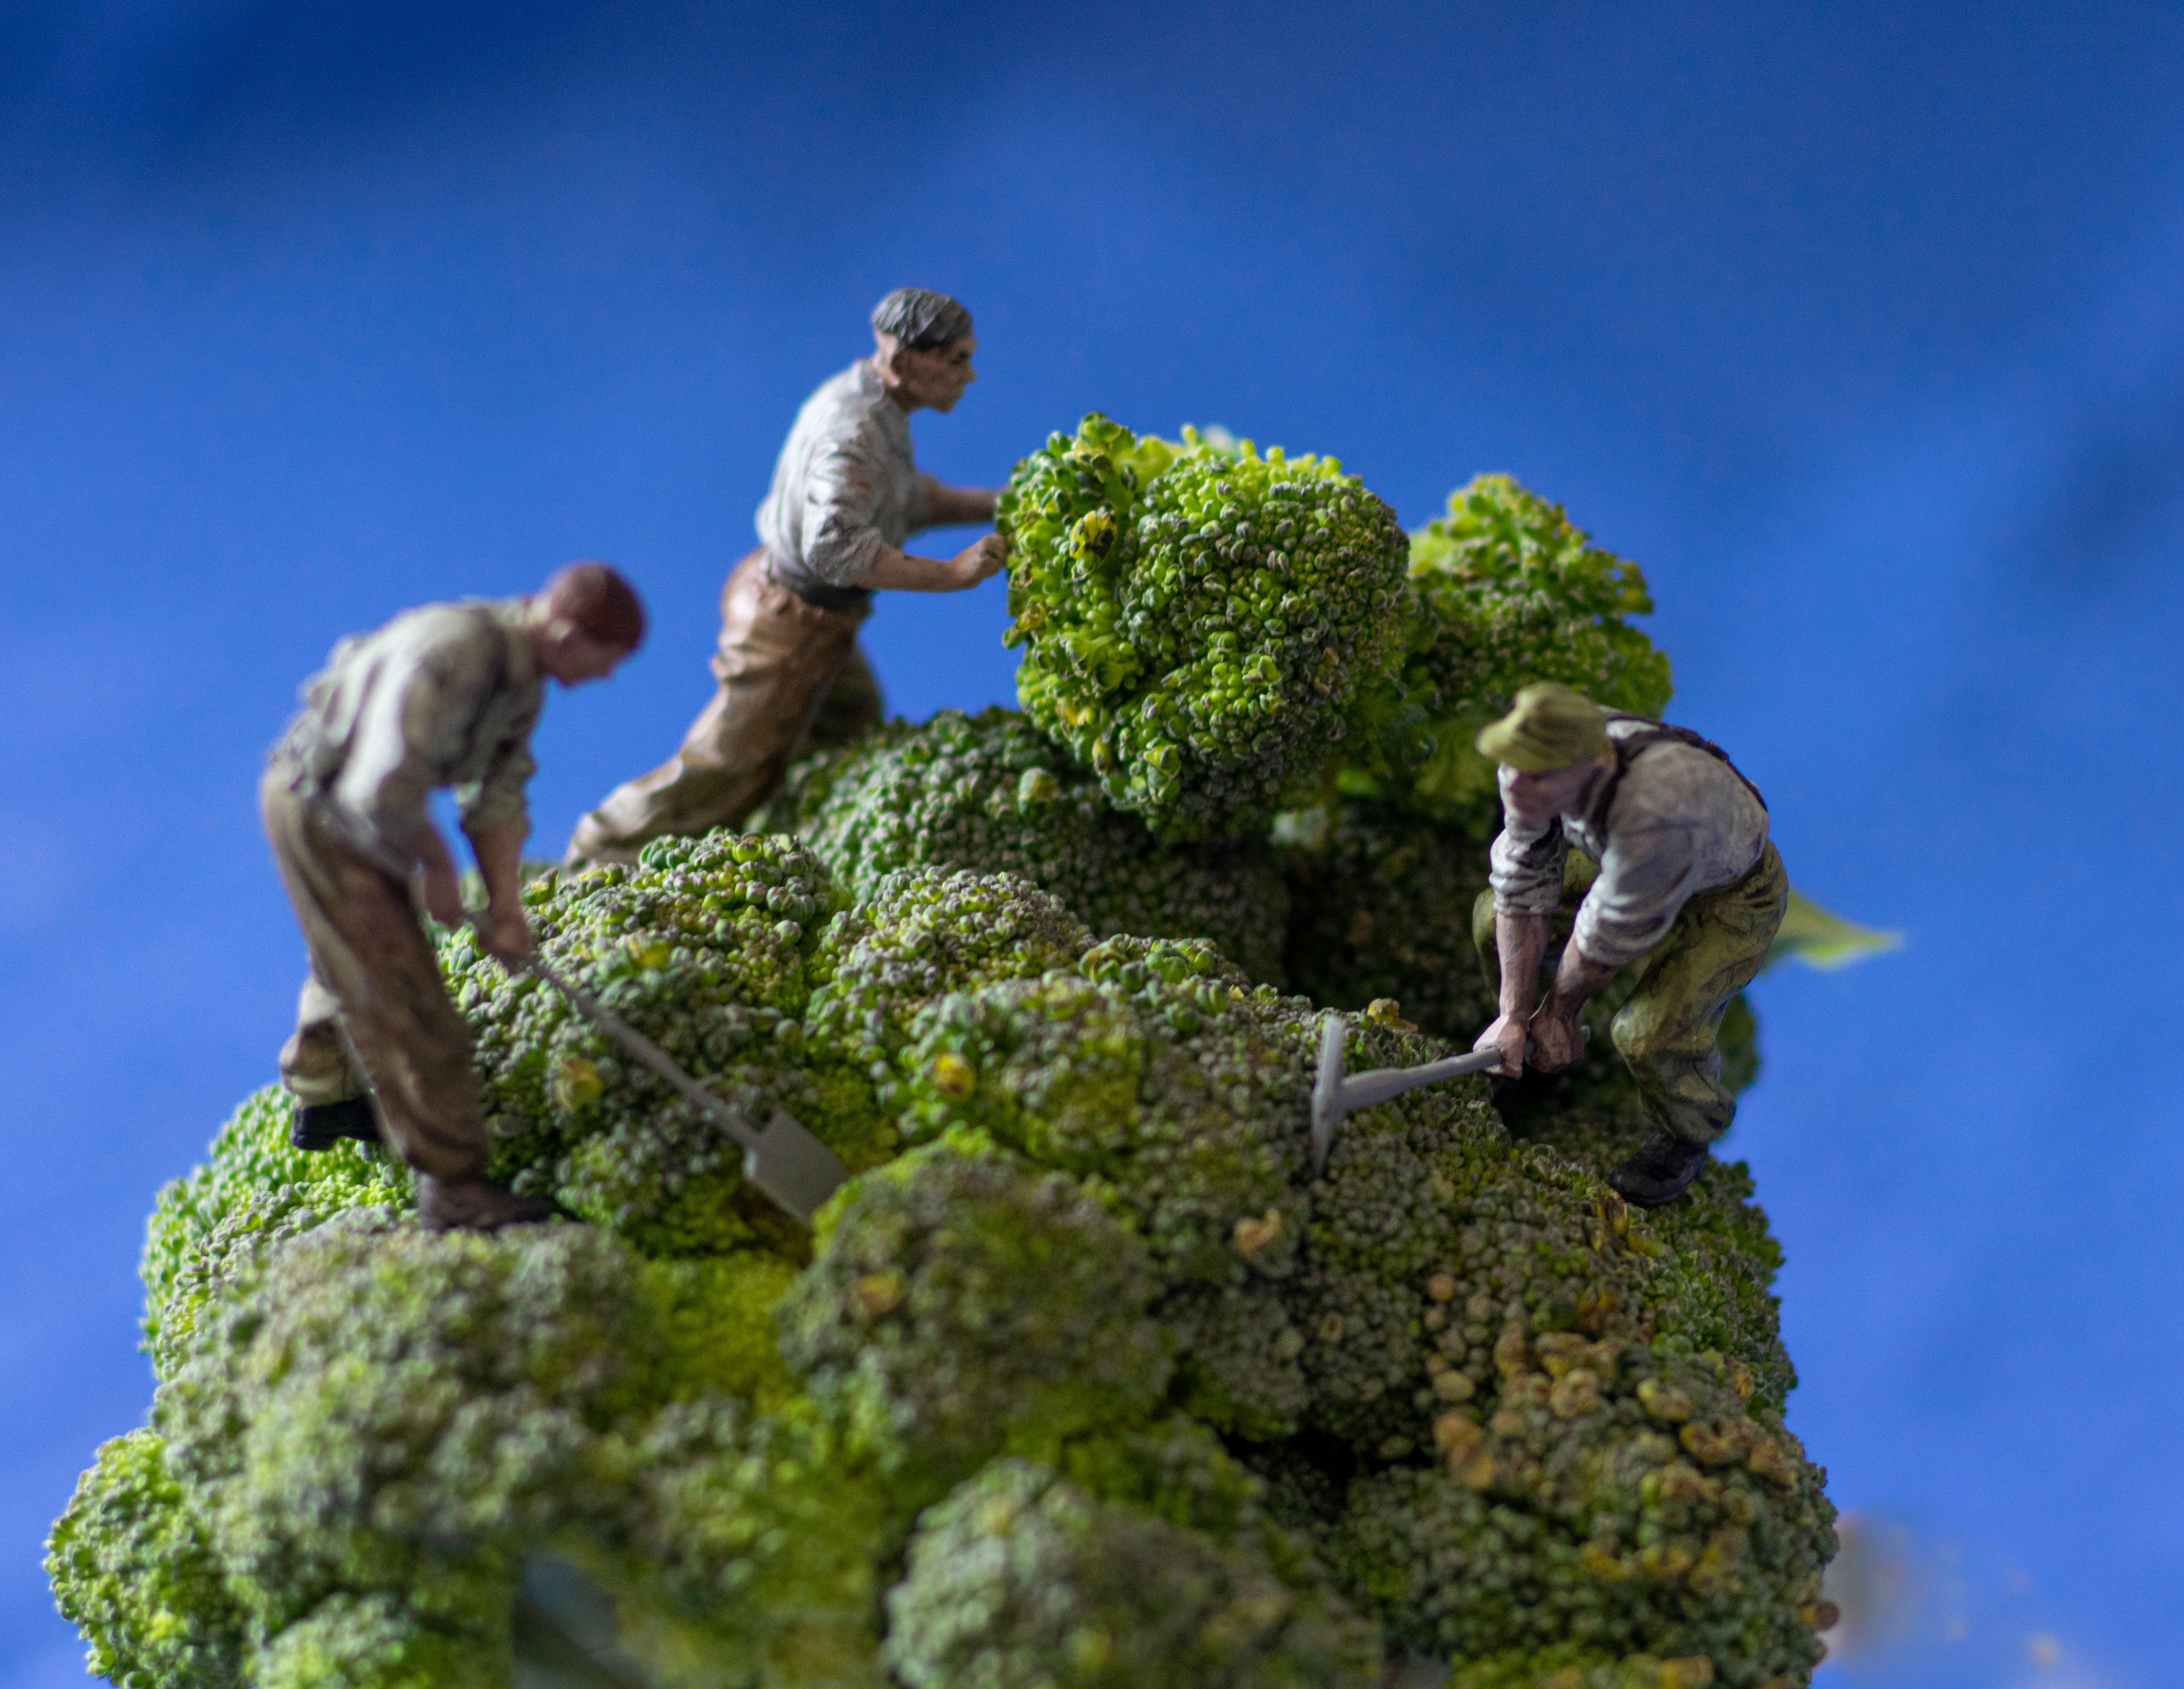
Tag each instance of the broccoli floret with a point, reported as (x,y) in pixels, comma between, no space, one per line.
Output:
(1196,623)
(711,947)
(1022,1580)
(1607,1503)
(132,1569)
(989,793)
(1504,590)
(255,1187)
(923,933)
(380,1427)
(963,1302)
(747,1545)
(1162,1085)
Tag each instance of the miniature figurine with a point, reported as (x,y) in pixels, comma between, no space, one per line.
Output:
(1688,880)
(846,494)
(446,695)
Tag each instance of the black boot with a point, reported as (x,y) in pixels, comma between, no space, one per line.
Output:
(477,1205)
(322,1125)
(1659,1172)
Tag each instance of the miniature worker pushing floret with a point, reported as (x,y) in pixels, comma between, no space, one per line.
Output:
(1689,886)
(846,495)
(444,696)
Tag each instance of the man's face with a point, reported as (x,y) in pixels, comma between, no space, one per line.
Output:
(1532,801)
(931,381)
(574,657)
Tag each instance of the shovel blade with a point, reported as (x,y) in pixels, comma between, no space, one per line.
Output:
(794,1168)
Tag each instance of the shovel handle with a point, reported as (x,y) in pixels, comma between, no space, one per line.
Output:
(712,1107)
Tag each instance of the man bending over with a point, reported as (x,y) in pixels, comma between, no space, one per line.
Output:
(1690,887)
(445,696)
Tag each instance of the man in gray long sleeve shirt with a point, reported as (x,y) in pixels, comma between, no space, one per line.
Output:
(847,495)
(1689,886)
(445,696)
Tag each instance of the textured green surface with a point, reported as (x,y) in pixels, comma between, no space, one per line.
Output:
(1196,623)
(1084,1377)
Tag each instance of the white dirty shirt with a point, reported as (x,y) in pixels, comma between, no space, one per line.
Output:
(1681,821)
(846,485)
(446,695)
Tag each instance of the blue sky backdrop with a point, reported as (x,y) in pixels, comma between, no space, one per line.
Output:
(1860,326)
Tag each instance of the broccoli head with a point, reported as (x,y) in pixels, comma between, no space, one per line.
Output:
(1504,590)
(1197,623)
(989,793)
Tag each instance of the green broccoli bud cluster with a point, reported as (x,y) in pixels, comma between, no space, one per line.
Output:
(989,793)
(1196,623)
(1504,590)
(1022,1578)
(133,1569)
(1602,1504)
(961,1302)
(711,947)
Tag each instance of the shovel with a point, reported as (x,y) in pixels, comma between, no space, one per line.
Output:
(1333,1096)
(793,1168)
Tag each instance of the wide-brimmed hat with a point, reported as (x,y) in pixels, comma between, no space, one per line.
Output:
(1551,725)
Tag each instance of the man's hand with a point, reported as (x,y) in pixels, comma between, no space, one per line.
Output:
(979,562)
(441,892)
(1509,1035)
(1557,1039)
(506,935)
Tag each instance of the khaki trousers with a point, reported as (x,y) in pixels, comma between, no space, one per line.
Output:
(374,1012)
(791,677)
(1667,1027)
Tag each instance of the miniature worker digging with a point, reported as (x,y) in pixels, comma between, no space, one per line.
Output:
(446,695)
(846,495)
(1688,881)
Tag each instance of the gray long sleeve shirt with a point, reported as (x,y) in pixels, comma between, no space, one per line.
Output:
(844,486)
(446,695)
(1681,821)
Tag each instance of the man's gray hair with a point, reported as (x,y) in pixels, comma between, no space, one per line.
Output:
(921,320)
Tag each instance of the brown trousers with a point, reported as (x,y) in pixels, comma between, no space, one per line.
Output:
(791,675)
(374,1012)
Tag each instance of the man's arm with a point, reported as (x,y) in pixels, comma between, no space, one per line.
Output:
(893,570)
(1520,940)
(950,506)
(1557,1039)
(499,849)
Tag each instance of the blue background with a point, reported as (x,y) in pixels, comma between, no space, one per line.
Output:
(1860,327)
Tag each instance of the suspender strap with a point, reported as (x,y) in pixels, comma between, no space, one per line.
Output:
(1650,733)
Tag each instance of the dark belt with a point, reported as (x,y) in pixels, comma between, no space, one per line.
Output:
(819,594)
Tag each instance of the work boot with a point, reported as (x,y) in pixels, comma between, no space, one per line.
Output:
(476,1205)
(322,1125)
(1659,1172)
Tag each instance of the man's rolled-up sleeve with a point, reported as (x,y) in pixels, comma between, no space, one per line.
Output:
(842,538)
(1525,869)
(1645,881)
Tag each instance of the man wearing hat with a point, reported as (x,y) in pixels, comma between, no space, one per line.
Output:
(846,496)
(1689,888)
